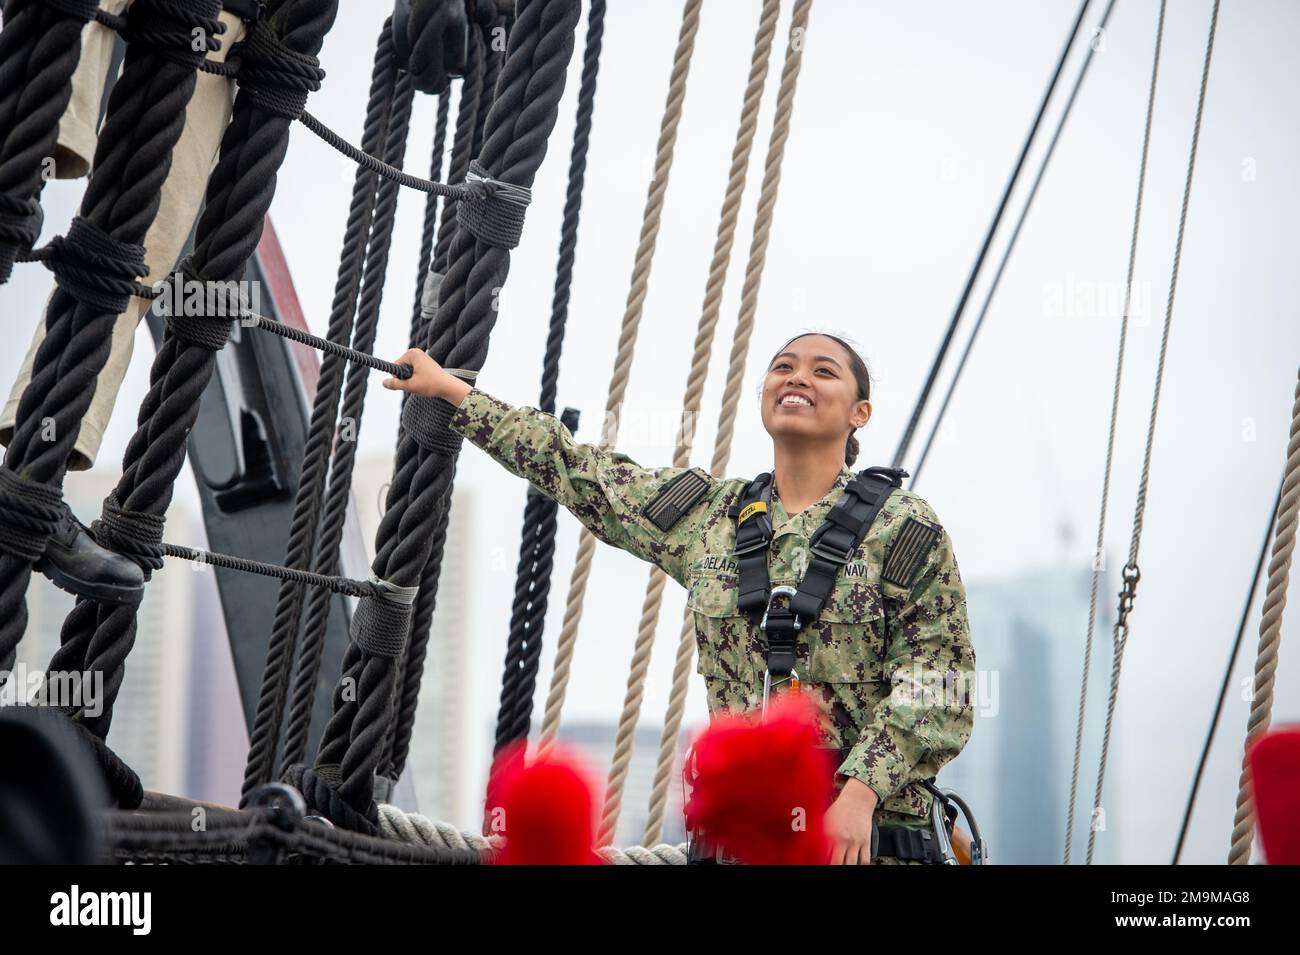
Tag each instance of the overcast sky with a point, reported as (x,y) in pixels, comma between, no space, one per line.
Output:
(907,122)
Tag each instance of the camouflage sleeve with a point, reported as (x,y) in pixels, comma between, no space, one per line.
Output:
(605,490)
(929,714)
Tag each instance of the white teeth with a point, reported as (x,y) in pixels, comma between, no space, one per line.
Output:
(795,401)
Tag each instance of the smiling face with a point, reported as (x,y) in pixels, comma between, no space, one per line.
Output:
(810,393)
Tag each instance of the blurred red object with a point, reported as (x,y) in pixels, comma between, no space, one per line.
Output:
(545,809)
(1275,780)
(761,789)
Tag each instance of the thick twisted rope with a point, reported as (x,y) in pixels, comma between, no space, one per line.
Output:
(475,98)
(737,360)
(537,537)
(521,119)
(1270,638)
(1110,435)
(39,49)
(1131,572)
(132,158)
(626,346)
(411,666)
(302,528)
(417,830)
(330,530)
(99,637)
(696,377)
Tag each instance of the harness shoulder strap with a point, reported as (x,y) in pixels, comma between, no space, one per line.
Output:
(846,526)
(752,513)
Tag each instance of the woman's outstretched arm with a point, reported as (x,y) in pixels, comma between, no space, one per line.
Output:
(606,490)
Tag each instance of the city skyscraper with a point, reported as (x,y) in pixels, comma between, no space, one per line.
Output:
(1015,771)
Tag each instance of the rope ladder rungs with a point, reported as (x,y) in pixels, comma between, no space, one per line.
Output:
(346,586)
(253,320)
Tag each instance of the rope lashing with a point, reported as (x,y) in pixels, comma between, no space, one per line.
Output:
(428,420)
(498,217)
(754,266)
(275,76)
(1131,571)
(171,28)
(1270,637)
(209,325)
(650,221)
(1110,438)
(93,267)
(136,534)
(29,514)
(380,623)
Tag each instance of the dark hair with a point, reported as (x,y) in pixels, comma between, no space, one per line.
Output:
(861,375)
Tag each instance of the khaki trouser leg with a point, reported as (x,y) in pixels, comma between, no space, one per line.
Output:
(206,119)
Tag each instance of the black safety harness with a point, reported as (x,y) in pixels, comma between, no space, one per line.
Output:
(833,545)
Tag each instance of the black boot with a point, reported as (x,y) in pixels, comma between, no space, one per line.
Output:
(75,563)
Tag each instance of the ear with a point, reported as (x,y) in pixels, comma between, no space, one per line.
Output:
(861,414)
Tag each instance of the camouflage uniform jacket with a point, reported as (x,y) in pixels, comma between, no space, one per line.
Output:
(890,667)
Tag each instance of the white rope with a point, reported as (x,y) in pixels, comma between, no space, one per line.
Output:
(1270,638)
(417,830)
